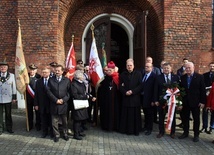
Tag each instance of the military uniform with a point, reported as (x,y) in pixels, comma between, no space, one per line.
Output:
(7,94)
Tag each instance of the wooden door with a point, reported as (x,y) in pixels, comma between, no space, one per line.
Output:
(140,41)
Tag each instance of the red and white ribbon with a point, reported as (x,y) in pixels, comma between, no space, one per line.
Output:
(30,91)
(171,106)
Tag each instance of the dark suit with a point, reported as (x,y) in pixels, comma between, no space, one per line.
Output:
(30,104)
(159,86)
(180,71)
(58,90)
(147,97)
(195,94)
(156,71)
(42,100)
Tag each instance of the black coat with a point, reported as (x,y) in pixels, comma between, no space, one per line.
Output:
(78,91)
(109,101)
(148,90)
(196,93)
(41,98)
(131,81)
(159,85)
(58,90)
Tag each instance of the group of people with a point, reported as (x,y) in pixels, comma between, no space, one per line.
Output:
(120,99)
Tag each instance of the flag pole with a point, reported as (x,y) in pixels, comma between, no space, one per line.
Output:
(96,105)
(25,98)
(72,40)
(26,111)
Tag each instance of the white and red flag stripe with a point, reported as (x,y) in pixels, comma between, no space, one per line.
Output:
(95,67)
(71,62)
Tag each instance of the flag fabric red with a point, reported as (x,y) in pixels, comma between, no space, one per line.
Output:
(71,62)
(21,73)
(95,67)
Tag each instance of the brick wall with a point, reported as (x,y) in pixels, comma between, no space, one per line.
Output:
(182,30)
(187,32)
(8,31)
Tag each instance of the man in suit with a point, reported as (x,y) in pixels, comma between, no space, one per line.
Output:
(195,98)
(7,96)
(147,98)
(181,71)
(208,80)
(166,78)
(58,91)
(42,102)
(156,71)
(33,76)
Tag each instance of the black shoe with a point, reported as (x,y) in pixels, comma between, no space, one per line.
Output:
(56,139)
(159,135)
(38,128)
(44,135)
(195,139)
(144,129)
(172,136)
(183,136)
(77,137)
(84,127)
(10,131)
(203,130)
(82,134)
(180,125)
(210,131)
(66,138)
(156,122)
(148,133)
(0,132)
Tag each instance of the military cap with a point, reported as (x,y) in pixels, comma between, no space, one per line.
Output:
(32,66)
(53,64)
(4,62)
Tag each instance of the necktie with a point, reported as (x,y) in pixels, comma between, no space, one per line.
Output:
(167,79)
(212,77)
(46,82)
(58,79)
(188,81)
(144,79)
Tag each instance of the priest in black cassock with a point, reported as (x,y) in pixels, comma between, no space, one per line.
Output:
(109,100)
(130,87)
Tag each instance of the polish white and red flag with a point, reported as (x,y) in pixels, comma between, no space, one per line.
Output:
(71,62)
(95,67)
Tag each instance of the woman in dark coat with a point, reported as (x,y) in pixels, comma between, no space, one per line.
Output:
(78,91)
(130,87)
(109,100)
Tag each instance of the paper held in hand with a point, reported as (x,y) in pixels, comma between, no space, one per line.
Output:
(80,104)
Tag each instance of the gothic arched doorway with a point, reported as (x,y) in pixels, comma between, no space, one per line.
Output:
(116,36)
(115,39)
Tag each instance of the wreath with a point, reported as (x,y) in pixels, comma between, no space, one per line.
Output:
(168,90)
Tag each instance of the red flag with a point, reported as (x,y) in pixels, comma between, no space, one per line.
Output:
(95,67)
(71,62)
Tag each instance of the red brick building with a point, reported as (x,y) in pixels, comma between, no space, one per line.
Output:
(163,29)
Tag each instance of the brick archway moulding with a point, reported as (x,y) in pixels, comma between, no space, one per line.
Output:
(117,19)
